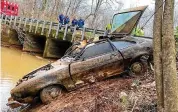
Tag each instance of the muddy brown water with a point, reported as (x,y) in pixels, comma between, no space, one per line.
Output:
(14,65)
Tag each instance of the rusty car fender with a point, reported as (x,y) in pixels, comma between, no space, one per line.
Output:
(34,85)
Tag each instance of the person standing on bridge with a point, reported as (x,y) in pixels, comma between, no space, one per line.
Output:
(66,20)
(108,27)
(61,19)
(74,23)
(108,30)
(81,23)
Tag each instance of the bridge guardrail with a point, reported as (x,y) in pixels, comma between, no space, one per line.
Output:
(28,23)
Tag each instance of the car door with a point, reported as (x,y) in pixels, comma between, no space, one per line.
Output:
(98,61)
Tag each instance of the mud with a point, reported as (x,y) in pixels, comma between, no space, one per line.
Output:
(117,94)
(101,97)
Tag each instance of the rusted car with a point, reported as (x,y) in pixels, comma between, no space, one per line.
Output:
(85,64)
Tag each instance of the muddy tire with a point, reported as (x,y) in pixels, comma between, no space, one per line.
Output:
(50,93)
(138,68)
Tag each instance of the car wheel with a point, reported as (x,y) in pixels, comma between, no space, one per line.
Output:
(138,68)
(50,93)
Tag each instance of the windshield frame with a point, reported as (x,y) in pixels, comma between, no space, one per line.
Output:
(125,22)
(141,9)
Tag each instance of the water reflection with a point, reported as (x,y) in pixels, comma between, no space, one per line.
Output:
(15,64)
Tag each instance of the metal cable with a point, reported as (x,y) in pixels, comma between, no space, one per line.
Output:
(153,14)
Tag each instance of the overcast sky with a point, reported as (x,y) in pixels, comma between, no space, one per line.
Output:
(134,3)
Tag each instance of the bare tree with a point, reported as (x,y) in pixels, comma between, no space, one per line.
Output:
(68,7)
(93,13)
(33,8)
(99,6)
(75,7)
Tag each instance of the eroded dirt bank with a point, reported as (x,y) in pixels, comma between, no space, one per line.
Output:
(100,97)
(112,95)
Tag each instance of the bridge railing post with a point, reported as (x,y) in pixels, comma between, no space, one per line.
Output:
(1,16)
(49,32)
(20,22)
(36,28)
(31,25)
(65,32)
(57,30)
(83,33)
(105,33)
(5,21)
(42,31)
(94,32)
(10,22)
(24,27)
(1,19)
(15,20)
(74,32)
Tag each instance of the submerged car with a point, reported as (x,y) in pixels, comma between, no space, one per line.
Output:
(85,64)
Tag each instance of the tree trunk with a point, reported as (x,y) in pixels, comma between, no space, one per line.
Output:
(165,57)
(169,59)
(157,35)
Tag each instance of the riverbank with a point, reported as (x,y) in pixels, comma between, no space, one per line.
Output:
(117,94)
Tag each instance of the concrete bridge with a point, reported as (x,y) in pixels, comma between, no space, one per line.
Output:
(40,36)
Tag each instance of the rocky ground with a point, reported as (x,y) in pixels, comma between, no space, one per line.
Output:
(117,94)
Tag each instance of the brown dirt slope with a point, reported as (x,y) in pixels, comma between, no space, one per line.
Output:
(118,94)
(101,97)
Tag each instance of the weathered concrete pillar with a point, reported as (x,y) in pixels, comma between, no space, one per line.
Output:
(9,35)
(55,48)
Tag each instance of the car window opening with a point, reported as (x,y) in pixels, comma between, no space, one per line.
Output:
(98,49)
(122,44)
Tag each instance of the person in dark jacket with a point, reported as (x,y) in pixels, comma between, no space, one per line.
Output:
(66,20)
(81,23)
(61,19)
(74,22)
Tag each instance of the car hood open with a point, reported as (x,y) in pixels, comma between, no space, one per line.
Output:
(125,21)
